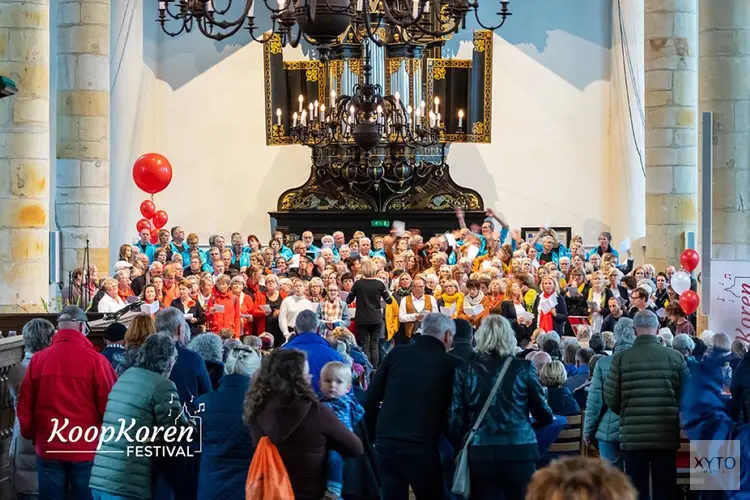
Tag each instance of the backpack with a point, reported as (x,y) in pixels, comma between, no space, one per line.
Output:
(267,478)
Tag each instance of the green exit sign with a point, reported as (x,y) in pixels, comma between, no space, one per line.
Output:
(380,223)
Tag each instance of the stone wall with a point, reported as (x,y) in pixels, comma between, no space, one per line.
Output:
(725,90)
(82,171)
(24,155)
(671,76)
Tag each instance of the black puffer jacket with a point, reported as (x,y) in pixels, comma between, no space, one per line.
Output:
(506,432)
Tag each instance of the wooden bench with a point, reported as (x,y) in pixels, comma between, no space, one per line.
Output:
(570,439)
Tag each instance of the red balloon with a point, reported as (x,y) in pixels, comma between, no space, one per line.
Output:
(689,301)
(152,172)
(144,224)
(148,209)
(689,260)
(154,237)
(160,219)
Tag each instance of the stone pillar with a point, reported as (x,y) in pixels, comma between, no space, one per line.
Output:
(24,156)
(83,131)
(671,82)
(725,90)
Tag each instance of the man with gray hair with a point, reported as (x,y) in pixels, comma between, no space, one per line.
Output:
(544,337)
(644,387)
(309,340)
(68,382)
(139,283)
(414,384)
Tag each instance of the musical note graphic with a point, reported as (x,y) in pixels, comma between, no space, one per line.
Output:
(170,412)
(201,407)
(192,398)
(171,398)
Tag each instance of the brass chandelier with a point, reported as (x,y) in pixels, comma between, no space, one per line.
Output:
(320,22)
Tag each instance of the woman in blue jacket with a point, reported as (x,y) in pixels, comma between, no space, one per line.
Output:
(705,418)
(227,446)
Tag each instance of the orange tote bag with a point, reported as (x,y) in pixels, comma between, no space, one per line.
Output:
(267,478)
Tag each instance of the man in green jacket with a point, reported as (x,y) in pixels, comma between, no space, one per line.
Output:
(644,387)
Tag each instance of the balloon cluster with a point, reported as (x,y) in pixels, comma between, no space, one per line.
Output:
(681,282)
(152,173)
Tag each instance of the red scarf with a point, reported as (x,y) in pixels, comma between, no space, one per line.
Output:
(546,322)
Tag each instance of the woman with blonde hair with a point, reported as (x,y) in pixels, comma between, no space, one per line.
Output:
(559,397)
(367,293)
(504,453)
(597,299)
(513,308)
(451,298)
(141,327)
(550,310)
(111,302)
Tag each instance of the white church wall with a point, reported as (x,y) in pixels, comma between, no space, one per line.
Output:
(558,154)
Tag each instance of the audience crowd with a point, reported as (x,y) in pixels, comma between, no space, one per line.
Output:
(365,364)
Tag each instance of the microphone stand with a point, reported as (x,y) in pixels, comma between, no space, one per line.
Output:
(86,292)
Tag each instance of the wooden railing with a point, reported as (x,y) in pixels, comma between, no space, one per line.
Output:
(15,322)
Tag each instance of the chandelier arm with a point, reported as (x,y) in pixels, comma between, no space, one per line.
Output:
(368,28)
(491,28)
(220,35)
(263,39)
(295,42)
(230,24)
(182,14)
(183,27)
(278,11)
(222,12)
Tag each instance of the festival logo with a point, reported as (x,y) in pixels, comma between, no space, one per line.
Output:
(183,438)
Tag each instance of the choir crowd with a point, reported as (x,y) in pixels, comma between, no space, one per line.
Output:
(374,367)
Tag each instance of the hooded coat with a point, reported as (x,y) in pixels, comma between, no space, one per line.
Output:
(303,431)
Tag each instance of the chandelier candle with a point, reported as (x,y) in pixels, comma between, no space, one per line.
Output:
(300,99)
(294,119)
(323,113)
(333,99)
(316,109)
(460,118)
(278,117)
(437,102)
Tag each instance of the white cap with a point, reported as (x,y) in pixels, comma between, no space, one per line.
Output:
(122,264)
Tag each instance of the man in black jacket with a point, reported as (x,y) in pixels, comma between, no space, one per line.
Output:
(414,384)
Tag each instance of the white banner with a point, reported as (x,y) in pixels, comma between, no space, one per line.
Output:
(730,299)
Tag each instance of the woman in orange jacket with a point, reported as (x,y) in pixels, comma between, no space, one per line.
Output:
(257,298)
(229,314)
